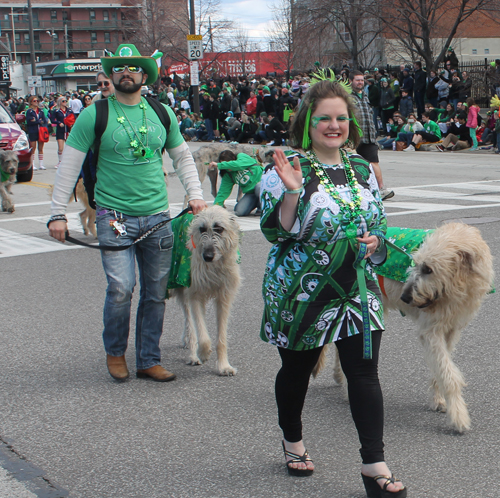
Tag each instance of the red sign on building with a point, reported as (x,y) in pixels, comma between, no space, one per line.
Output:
(237,64)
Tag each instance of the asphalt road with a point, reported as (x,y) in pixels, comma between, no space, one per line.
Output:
(66,429)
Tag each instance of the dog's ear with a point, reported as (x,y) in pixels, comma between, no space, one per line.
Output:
(466,259)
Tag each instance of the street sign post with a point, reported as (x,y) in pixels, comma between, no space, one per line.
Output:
(195,47)
(193,69)
(34,81)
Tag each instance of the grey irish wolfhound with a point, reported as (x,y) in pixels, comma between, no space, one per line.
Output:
(8,164)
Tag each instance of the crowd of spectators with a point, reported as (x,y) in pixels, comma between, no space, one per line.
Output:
(410,106)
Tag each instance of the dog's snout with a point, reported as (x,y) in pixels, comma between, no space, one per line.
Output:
(12,170)
(208,255)
(406,297)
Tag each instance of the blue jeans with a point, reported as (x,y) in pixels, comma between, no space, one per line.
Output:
(210,129)
(153,257)
(248,202)
(407,137)
(386,143)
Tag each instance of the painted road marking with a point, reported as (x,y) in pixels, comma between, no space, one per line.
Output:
(473,195)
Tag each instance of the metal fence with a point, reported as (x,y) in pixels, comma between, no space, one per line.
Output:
(477,71)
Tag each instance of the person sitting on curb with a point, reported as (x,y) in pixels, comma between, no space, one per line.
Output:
(458,137)
(430,133)
(241,170)
(410,128)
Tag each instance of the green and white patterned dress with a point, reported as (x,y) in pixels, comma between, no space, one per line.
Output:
(310,289)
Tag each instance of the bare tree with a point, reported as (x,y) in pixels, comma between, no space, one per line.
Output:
(417,24)
(352,28)
(164,25)
(280,35)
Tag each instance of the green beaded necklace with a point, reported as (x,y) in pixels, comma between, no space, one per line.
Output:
(137,143)
(350,209)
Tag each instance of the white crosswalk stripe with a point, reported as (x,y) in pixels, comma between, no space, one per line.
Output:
(467,195)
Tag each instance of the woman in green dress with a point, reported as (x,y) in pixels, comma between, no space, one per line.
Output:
(321,208)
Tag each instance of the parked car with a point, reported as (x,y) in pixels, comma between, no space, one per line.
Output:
(13,138)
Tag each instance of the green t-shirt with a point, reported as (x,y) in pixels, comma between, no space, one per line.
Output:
(128,184)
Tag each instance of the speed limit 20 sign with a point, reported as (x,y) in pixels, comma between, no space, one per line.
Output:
(195,47)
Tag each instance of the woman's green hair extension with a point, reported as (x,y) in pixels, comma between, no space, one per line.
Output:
(306,139)
(360,131)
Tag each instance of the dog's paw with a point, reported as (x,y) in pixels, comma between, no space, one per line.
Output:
(193,361)
(438,404)
(11,209)
(204,352)
(227,370)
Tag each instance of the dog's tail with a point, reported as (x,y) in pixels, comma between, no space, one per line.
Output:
(321,362)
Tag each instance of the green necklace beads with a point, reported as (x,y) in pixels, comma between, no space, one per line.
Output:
(137,142)
(350,209)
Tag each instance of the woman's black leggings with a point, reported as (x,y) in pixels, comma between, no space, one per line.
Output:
(365,395)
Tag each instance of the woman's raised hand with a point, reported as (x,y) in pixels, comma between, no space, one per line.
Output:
(290,174)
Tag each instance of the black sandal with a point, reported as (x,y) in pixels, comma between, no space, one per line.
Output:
(373,490)
(297,459)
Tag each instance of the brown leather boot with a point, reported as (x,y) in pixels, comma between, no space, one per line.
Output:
(117,367)
(156,373)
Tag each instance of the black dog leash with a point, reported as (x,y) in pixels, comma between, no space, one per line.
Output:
(136,241)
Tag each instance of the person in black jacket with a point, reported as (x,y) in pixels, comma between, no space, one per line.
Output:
(275,131)
(458,135)
(285,101)
(420,78)
(243,92)
(432,91)
(408,82)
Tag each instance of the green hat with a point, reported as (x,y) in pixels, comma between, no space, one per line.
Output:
(127,54)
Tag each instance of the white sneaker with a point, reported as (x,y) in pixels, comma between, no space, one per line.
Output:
(34,168)
(410,148)
(41,167)
(271,142)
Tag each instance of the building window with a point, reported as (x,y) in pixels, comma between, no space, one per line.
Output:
(93,37)
(107,37)
(92,15)
(53,15)
(114,15)
(105,15)
(56,37)
(26,37)
(18,38)
(486,51)
(474,51)
(64,16)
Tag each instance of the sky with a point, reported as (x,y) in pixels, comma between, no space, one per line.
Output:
(252,15)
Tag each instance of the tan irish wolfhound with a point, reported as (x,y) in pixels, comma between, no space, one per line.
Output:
(452,275)
(214,237)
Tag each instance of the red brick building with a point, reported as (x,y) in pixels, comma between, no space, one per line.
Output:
(65,29)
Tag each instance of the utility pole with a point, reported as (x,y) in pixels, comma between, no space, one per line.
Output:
(192,30)
(32,41)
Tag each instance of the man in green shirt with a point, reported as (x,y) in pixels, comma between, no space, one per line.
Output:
(131,198)
(241,170)
(430,133)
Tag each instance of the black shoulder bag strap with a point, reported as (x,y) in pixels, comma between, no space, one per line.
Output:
(101,121)
(162,114)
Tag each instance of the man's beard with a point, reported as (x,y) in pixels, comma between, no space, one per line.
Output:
(128,87)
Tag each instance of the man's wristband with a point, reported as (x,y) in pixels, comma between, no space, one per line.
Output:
(296,191)
(57,217)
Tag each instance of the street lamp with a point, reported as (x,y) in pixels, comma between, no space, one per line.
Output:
(53,35)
